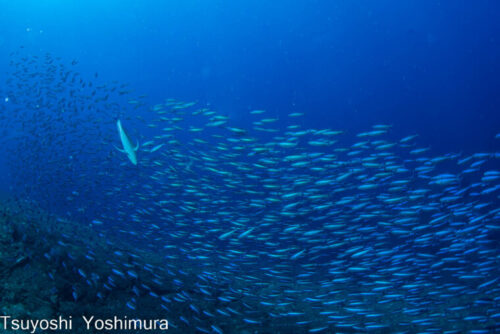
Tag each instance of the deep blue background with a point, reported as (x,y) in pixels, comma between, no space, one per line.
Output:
(427,67)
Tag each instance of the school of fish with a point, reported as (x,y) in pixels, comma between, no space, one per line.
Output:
(279,228)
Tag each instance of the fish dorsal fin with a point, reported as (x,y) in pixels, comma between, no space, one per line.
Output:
(137,146)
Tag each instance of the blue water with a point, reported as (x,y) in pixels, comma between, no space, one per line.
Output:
(378,71)
(430,68)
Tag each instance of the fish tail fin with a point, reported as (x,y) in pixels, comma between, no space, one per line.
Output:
(137,146)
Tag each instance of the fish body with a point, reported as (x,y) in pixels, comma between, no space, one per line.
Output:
(128,148)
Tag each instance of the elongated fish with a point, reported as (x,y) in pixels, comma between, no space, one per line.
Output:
(127,144)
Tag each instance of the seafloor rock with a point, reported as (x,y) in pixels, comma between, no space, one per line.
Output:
(51,267)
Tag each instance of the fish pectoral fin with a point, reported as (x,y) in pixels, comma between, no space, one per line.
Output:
(119,149)
(137,147)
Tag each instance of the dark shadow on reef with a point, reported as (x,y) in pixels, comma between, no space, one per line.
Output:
(51,267)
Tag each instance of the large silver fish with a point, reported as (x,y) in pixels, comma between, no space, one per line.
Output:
(128,149)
